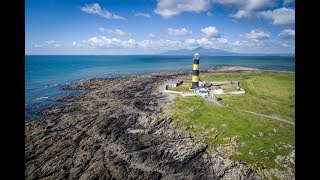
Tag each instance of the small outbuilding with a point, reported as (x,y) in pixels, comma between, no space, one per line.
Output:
(203,92)
(207,84)
(234,83)
(201,84)
(173,83)
(218,90)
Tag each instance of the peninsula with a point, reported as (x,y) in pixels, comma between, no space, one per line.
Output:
(129,128)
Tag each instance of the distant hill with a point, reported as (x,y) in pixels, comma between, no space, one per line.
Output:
(202,51)
(216,52)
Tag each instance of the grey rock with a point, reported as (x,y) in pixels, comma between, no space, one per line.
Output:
(91,139)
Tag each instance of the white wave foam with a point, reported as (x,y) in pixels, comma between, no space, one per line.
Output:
(53,85)
(41,98)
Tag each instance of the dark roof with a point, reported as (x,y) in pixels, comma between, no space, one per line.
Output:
(173,82)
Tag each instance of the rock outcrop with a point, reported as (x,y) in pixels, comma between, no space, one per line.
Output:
(113,131)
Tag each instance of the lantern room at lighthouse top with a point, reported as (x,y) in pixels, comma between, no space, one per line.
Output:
(196,56)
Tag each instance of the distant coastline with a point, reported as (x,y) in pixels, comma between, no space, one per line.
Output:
(217,52)
(44,71)
(67,88)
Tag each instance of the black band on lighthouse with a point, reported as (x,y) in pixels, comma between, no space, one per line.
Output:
(195,85)
(195,72)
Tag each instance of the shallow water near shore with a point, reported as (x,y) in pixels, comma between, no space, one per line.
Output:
(45,74)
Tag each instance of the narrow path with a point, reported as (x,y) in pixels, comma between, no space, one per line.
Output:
(267,116)
(214,101)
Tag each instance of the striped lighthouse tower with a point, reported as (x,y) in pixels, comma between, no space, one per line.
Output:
(195,71)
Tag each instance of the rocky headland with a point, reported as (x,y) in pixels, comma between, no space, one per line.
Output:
(115,130)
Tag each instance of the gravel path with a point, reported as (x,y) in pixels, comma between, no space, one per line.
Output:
(215,102)
(267,116)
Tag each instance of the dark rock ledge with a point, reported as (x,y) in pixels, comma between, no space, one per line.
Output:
(113,131)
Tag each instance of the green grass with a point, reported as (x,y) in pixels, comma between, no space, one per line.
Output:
(212,124)
(270,93)
(185,87)
(229,88)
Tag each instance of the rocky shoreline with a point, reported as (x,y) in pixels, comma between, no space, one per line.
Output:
(114,130)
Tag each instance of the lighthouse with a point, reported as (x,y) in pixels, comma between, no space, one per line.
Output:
(195,71)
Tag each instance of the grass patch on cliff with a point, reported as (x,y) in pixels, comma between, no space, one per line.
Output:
(185,87)
(229,88)
(270,93)
(260,139)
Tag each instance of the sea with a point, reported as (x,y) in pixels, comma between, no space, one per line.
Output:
(45,74)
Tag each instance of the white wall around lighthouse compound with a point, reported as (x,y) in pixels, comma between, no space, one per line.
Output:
(188,94)
(181,93)
(218,91)
(172,85)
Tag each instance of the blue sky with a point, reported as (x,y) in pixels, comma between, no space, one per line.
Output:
(154,26)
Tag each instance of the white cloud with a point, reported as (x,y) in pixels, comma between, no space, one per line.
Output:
(257,35)
(96,9)
(143,15)
(171,8)
(242,14)
(149,44)
(38,45)
(246,8)
(117,32)
(287,34)
(265,46)
(219,43)
(104,42)
(204,42)
(131,43)
(191,42)
(179,32)
(281,16)
(151,35)
(287,2)
(212,43)
(230,2)
(221,40)
(160,45)
(248,5)
(48,44)
(250,9)
(259,4)
(102,29)
(79,44)
(51,42)
(166,44)
(259,41)
(211,31)
(56,45)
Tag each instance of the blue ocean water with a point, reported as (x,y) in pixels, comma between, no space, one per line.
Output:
(44,74)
